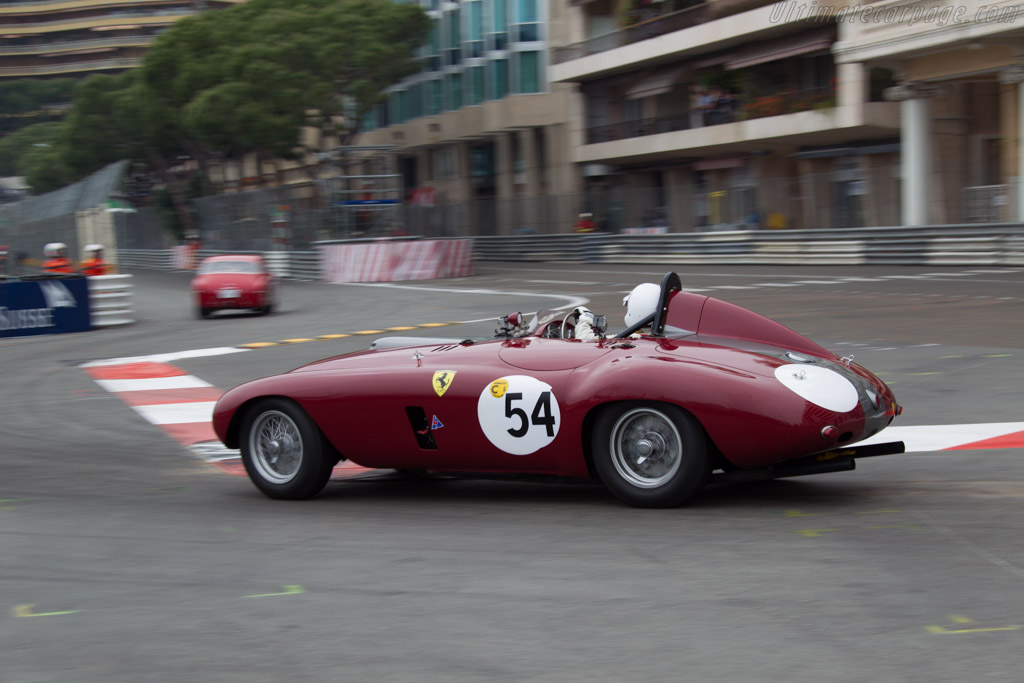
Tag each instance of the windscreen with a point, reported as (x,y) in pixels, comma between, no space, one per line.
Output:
(230,267)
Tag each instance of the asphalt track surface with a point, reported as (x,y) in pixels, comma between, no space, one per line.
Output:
(124,557)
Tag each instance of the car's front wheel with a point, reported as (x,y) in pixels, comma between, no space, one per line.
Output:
(650,454)
(284,452)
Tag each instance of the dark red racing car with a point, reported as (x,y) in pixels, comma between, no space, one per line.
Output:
(713,392)
(235,282)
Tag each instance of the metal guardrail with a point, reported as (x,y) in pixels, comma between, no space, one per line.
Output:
(1001,244)
(946,245)
(291,265)
(156,259)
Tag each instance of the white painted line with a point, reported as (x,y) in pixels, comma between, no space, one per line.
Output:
(572,301)
(941,437)
(152,383)
(177,413)
(905,277)
(559,282)
(731,287)
(165,357)
(817,282)
(774,284)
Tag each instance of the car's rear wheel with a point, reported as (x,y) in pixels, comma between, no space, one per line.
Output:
(284,452)
(650,454)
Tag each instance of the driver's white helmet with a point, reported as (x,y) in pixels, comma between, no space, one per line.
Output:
(641,302)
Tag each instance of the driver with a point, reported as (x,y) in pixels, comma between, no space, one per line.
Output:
(640,303)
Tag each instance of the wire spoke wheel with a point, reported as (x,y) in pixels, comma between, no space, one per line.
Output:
(284,453)
(276,446)
(650,454)
(646,448)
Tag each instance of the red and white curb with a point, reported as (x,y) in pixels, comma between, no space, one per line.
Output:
(180,404)
(954,437)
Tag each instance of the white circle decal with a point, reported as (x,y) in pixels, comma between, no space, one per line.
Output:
(821,386)
(518,414)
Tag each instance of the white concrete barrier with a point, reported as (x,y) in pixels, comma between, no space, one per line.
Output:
(110,300)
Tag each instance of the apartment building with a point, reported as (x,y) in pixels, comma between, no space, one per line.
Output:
(961,95)
(727,114)
(480,126)
(48,38)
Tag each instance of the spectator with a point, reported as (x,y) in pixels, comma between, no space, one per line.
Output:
(696,102)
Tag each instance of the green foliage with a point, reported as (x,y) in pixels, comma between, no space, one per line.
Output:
(45,169)
(15,146)
(243,80)
(25,96)
(246,79)
(105,124)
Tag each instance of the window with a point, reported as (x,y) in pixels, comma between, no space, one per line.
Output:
(434,101)
(526,11)
(528,29)
(498,78)
(443,163)
(454,91)
(474,85)
(529,72)
(499,16)
(474,29)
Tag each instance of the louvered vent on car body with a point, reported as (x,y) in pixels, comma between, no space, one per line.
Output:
(447,347)
(421,427)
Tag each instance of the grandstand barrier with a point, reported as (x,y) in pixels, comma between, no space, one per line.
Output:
(111,300)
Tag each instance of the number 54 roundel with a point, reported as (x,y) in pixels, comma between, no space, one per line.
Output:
(518,414)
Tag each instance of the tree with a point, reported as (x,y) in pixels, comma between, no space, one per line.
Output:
(15,146)
(245,80)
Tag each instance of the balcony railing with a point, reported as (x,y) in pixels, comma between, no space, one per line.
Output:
(651,28)
(154,17)
(637,128)
(74,45)
(70,67)
(727,110)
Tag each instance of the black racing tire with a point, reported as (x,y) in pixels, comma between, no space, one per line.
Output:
(651,455)
(284,452)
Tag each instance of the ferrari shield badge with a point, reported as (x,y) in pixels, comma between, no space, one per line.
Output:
(442,380)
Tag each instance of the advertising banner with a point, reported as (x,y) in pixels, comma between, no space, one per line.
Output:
(30,307)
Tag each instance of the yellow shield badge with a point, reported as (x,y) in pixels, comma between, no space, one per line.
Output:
(443,380)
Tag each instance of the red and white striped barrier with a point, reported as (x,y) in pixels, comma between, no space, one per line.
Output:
(183,257)
(397,261)
(651,230)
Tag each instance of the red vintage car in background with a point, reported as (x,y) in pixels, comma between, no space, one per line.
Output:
(713,392)
(232,283)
